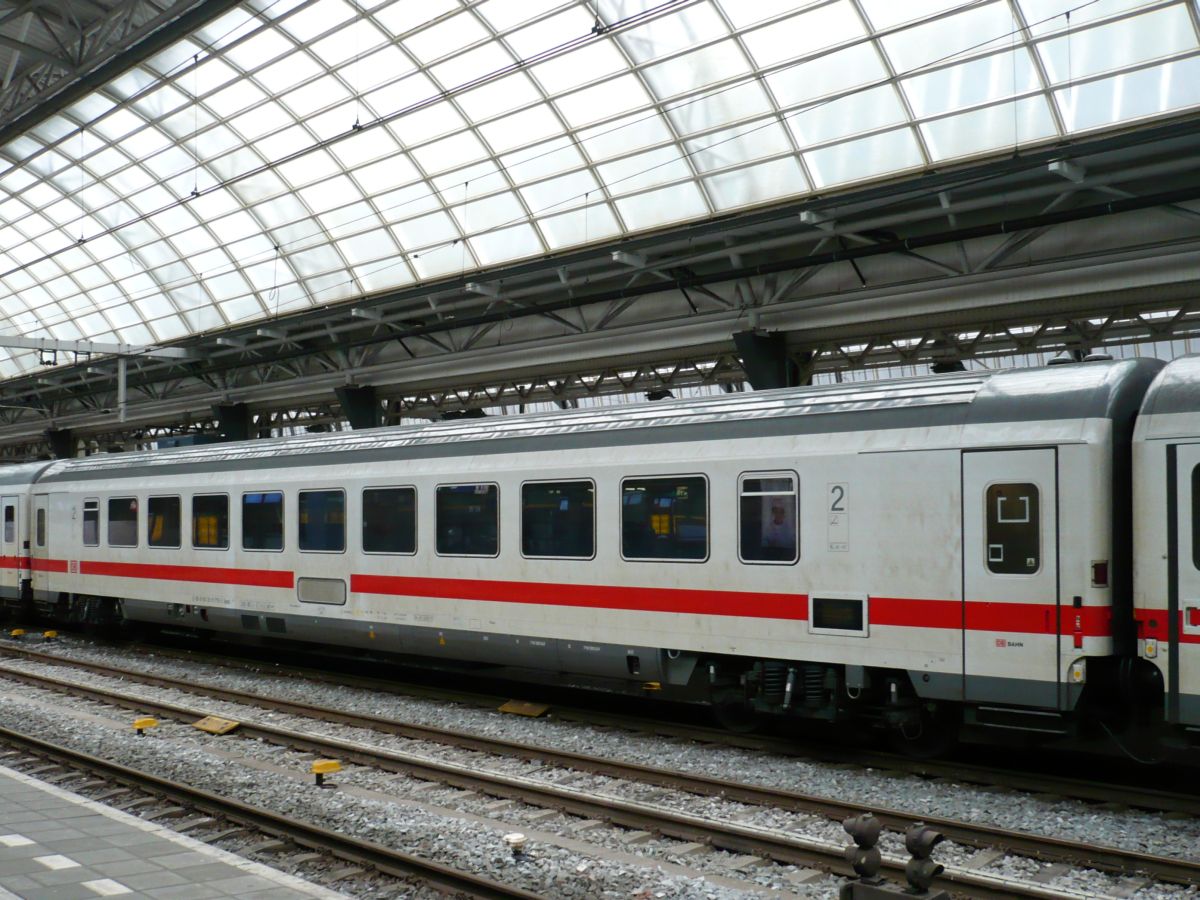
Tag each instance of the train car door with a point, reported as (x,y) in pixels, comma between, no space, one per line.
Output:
(1010,576)
(10,547)
(39,549)
(1183,583)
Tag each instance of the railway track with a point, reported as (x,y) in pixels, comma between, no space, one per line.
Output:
(352,850)
(786,848)
(1107,792)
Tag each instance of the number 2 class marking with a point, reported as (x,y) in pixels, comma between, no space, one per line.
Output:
(837,498)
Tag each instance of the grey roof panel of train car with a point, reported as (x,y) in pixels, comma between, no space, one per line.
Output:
(1176,389)
(23,473)
(1101,389)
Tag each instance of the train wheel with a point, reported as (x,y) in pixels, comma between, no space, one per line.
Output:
(734,713)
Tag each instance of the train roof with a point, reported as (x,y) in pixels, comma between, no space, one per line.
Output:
(1099,389)
(22,473)
(1176,389)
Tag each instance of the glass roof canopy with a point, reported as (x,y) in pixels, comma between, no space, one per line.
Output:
(297,152)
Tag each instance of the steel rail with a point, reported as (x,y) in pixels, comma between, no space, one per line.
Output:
(376,856)
(737,838)
(1106,792)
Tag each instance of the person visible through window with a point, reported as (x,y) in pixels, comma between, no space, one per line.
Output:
(779,531)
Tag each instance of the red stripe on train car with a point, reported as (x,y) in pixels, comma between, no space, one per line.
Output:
(38,564)
(668,600)
(1152,623)
(198,574)
(14,562)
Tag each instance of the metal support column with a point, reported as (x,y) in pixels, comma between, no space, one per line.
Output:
(360,406)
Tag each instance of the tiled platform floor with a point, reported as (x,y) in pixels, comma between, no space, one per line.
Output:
(55,845)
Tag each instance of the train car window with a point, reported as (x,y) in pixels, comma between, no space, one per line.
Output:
(322,521)
(769,517)
(210,522)
(10,524)
(558,519)
(39,529)
(164,516)
(664,518)
(262,521)
(91,523)
(468,521)
(1014,541)
(122,522)
(1196,517)
(389,520)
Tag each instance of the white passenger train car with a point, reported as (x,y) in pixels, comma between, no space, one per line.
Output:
(1167,535)
(887,551)
(16,527)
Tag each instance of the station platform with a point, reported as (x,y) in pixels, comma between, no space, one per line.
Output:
(56,845)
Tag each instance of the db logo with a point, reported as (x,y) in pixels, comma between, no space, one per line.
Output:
(1001,642)
(73,567)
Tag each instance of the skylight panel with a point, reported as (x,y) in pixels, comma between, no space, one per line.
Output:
(664,35)
(406,202)
(499,96)
(553,31)
(231,100)
(735,146)
(379,276)
(886,14)
(159,102)
(346,43)
(634,173)
(367,145)
(313,21)
(720,107)
(579,226)
(315,166)
(316,95)
(542,160)
(992,128)
(676,203)
(743,14)
(580,66)
(211,74)
(349,220)
(288,72)
(385,175)
(869,157)
(240,308)
(403,16)
(117,124)
(855,114)
(472,65)
(1126,42)
(281,211)
(610,98)
(804,34)
(449,153)
(402,94)
(367,247)
(427,123)
(971,84)
(488,212)
(561,193)
(232,25)
(448,36)
(1131,95)
(430,230)
(1049,16)
(370,70)
(951,37)
(698,69)
(504,245)
(328,194)
(521,128)
(266,45)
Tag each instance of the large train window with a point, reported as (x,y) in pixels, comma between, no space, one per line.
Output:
(664,518)
(210,522)
(1196,517)
(389,520)
(1014,542)
(558,519)
(164,517)
(262,520)
(122,522)
(91,523)
(322,517)
(769,517)
(468,522)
